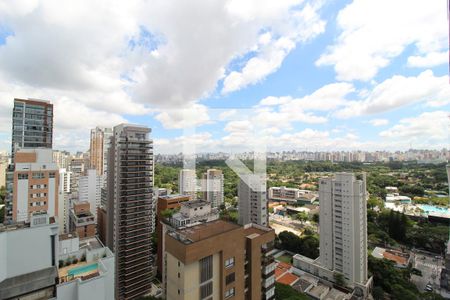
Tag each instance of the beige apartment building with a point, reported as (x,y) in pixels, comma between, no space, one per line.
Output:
(100,142)
(219,260)
(35,184)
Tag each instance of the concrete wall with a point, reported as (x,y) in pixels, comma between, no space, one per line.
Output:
(26,250)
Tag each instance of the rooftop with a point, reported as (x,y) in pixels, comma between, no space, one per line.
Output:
(287,279)
(203,231)
(173,196)
(67,236)
(195,203)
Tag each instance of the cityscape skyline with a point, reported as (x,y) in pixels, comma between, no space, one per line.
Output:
(310,74)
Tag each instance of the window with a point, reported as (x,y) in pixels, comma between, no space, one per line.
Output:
(229,262)
(230,278)
(51,175)
(206,268)
(178,274)
(38,175)
(229,293)
(206,290)
(22,176)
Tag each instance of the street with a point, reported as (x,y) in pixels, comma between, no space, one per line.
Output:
(431,267)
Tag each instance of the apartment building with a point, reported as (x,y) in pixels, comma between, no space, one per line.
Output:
(252,200)
(130,209)
(61,158)
(87,269)
(36,184)
(82,220)
(78,167)
(89,188)
(219,260)
(343,231)
(99,145)
(212,185)
(187,183)
(32,124)
(27,259)
(3,168)
(165,203)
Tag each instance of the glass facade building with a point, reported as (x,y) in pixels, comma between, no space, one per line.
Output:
(32,124)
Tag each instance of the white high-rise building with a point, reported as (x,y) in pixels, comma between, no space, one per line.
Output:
(213,187)
(343,232)
(252,200)
(89,189)
(343,226)
(187,183)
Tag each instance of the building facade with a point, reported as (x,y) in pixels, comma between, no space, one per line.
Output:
(99,145)
(252,200)
(32,124)
(82,220)
(164,203)
(89,188)
(36,184)
(219,260)
(212,185)
(130,209)
(187,183)
(27,259)
(343,233)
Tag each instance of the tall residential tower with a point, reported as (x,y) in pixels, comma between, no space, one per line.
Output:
(100,142)
(187,183)
(252,200)
(213,187)
(32,124)
(130,209)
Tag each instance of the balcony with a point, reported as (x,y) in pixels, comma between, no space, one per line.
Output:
(270,268)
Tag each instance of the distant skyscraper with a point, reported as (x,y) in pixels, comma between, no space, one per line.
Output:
(61,158)
(100,142)
(253,201)
(32,125)
(213,187)
(187,183)
(36,182)
(130,209)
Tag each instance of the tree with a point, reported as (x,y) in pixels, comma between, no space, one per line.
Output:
(315,218)
(378,293)
(301,216)
(339,278)
(287,292)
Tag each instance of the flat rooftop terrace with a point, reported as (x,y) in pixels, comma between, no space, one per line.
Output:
(204,231)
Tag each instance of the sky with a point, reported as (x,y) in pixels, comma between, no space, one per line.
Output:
(227,75)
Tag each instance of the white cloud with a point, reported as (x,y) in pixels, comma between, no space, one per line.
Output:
(300,26)
(428,130)
(375,32)
(399,91)
(429,60)
(132,58)
(190,116)
(379,122)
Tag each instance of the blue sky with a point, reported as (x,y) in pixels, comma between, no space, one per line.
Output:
(316,75)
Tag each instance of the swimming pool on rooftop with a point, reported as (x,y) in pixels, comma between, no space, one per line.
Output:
(77,271)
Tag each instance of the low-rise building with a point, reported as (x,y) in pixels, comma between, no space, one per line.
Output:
(292,195)
(86,269)
(401,259)
(396,197)
(82,220)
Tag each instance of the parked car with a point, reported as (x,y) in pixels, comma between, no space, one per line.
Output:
(428,288)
